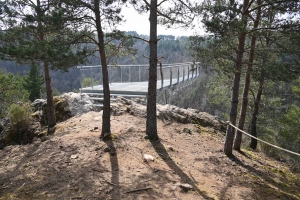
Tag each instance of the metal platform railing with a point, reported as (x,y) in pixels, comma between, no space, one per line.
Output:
(167,74)
(132,80)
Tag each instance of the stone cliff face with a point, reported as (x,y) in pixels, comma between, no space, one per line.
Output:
(72,104)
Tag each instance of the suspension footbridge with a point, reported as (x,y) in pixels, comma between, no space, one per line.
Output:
(132,80)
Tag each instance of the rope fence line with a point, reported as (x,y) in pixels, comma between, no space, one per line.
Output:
(297,154)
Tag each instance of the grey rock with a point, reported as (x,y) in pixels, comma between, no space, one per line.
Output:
(148,157)
(184,186)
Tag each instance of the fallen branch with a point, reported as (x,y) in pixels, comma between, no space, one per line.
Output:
(138,190)
(108,182)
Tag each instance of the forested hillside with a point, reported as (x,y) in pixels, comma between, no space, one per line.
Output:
(171,48)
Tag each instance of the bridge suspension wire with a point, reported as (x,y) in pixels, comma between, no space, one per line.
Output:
(277,147)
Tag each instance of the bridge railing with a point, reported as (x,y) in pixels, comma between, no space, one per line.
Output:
(167,74)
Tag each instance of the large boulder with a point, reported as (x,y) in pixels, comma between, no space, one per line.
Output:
(67,105)
(61,106)
(78,103)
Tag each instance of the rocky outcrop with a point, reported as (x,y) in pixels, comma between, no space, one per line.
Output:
(72,104)
(168,112)
(78,104)
(66,106)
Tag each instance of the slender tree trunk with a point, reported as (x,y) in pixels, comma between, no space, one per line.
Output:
(50,103)
(106,92)
(151,124)
(253,143)
(238,138)
(236,83)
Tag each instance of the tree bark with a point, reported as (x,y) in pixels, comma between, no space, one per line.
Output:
(50,103)
(253,143)
(151,124)
(236,83)
(106,92)
(51,120)
(238,138)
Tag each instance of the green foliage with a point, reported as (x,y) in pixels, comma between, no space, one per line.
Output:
(88,82)
(214,53)
(269,134)
(119,45)
(296,87)
(55,92)
(289,136)
(219,96)
(19,116)
(11,91)
(76,90)
(42,32)
(33,82)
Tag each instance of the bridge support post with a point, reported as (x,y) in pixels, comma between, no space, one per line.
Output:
(193,73)
(166,101)
(139,74)
(92,78)
(170,76)
(81,79)
(177,75)
(121,75)
(130,74)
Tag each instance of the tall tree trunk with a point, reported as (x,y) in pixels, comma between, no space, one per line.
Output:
(236,83)
(238,138)
(151,124)
(50,103)
(253,143)
(106,92)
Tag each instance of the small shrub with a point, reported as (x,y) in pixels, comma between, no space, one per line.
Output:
(19,115)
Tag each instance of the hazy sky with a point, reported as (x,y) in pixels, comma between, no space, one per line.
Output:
(140,23)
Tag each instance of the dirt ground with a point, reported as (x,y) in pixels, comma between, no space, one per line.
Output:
(75,164)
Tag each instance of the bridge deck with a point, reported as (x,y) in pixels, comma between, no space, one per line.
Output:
(134,87)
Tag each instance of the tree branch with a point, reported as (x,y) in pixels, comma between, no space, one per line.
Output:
(141,39)
(95,41)
(160,58)
(161,3)
(266,4)
(146,57)
(147,3)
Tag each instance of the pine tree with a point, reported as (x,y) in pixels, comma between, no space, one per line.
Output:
(177,12)
(11,91)
(43,32)
(101,15)
(34,81)
(231,23)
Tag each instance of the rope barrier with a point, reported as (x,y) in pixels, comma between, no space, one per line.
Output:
(297,154)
